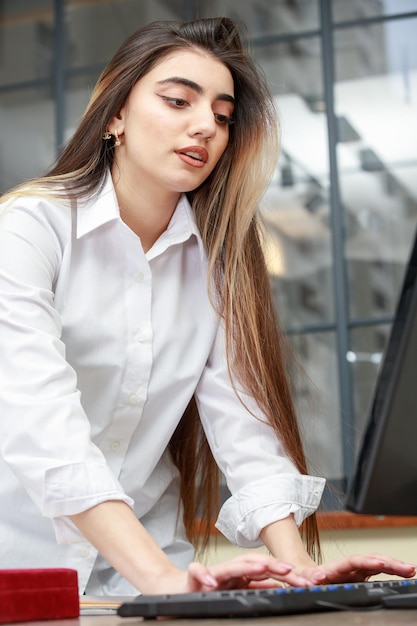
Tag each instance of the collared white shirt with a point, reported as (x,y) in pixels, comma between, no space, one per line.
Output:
(102,347)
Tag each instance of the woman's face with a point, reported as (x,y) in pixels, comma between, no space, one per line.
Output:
(174,126)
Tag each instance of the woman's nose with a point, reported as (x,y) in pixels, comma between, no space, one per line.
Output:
(203,124)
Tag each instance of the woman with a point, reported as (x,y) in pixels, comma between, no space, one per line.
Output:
(135,315)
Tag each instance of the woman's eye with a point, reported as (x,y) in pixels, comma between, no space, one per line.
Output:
(175,102)
(224,119)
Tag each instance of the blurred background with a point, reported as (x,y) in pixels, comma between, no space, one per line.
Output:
(341,211)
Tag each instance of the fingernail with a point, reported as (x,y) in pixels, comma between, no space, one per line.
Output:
(210,581)
(318,576)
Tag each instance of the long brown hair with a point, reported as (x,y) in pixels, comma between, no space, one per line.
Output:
(226,209)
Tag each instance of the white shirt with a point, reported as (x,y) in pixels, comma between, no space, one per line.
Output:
(102,347)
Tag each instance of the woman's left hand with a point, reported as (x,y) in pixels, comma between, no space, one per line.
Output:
(357,568)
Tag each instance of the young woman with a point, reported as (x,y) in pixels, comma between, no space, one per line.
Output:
(140,350)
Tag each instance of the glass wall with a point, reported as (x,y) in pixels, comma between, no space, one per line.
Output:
(341,210)
(375,100)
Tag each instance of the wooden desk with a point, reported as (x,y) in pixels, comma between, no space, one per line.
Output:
(388,617)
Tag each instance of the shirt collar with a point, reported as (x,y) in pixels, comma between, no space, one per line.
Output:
(103,208)
(181,227)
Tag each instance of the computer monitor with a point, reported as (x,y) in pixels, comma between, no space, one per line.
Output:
(384,480)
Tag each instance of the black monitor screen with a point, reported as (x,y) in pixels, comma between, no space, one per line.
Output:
(385,477)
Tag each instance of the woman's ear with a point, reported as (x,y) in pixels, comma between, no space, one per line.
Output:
(116,125)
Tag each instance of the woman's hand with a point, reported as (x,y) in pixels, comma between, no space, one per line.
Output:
(283,539)
(357,568)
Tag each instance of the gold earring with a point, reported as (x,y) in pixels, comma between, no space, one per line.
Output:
(117,141)
(107,135)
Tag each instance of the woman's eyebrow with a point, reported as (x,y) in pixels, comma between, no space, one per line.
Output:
(178,80)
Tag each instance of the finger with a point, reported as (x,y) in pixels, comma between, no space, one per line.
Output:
(353,564)
(250,569)
(295,579)
(200,577)
(269,576)
(375,560)
(395,566)
(273,579)
(238,573)
(404,570)
(268,583)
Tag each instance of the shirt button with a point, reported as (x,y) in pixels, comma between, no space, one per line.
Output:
(133,398)
(85,552)
(115,446)
(141,336)
(139,276)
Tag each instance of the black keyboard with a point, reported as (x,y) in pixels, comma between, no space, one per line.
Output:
(276,601)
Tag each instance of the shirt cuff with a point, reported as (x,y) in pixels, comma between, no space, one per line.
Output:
(72,489)
(246,513)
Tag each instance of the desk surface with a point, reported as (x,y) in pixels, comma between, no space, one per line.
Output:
(388,617)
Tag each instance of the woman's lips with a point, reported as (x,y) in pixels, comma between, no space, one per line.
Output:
(193,155)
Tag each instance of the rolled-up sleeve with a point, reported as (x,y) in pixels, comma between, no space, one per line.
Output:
(61,499)
(263,502)
(264,483)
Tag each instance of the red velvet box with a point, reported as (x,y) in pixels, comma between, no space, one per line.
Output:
(38,594)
